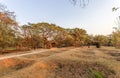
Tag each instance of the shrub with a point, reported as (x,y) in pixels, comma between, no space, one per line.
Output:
(98,44)
(95,74)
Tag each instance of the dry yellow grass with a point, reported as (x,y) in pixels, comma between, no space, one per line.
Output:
(63,63)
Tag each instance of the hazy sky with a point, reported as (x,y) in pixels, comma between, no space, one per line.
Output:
(96,18)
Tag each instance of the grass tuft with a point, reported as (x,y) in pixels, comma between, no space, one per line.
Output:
(95,74)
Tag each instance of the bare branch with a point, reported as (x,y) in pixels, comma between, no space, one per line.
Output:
(82,3)
(115,8)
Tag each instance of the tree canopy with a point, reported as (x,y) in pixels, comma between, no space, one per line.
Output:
(46,35)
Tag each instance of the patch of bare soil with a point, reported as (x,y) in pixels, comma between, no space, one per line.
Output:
(11,65)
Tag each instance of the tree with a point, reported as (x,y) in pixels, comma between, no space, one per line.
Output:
(116,33)
(46,32)
(62,37)
(8,28)
(79,36)
(116,38)
(39,34)
(101,39)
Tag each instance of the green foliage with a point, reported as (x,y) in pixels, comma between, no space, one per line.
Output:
(79,36)
(116,33)
(116,39)
(42,35)
(8,27)
(95,74)
(98,45)
(101,40)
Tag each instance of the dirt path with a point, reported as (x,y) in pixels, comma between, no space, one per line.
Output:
(19,55)
(32,53)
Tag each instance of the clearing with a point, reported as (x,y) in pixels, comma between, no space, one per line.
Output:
(79,62)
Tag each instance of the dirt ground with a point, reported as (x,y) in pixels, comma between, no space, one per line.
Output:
(79,62)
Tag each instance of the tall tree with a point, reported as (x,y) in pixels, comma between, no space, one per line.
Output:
(8,27)
(116,33)
(79,36)
(101,39)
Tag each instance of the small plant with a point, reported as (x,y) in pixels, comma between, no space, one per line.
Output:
(95,74)
(98,44)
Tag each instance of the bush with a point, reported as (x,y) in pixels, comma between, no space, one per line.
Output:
(98,45)
(96,74)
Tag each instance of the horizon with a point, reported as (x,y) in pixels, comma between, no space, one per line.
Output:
(96,18)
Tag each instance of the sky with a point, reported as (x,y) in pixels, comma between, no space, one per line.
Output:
(96,18)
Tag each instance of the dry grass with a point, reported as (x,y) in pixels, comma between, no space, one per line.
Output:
(13,64)
(64,63)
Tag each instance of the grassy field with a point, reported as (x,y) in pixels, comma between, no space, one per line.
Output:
(68,62)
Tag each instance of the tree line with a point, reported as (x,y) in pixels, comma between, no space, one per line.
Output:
(45,35)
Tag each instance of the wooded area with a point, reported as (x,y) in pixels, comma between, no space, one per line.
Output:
(45,35)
